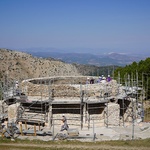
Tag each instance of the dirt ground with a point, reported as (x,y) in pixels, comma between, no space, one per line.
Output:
(78,146)
(111,138)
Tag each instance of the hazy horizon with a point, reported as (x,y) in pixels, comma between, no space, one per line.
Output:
(93,51)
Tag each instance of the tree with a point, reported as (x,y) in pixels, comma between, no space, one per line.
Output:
(142,68)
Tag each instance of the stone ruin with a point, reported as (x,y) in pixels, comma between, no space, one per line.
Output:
(48,98)
(65,87)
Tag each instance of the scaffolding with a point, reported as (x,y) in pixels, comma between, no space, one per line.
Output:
(84,110)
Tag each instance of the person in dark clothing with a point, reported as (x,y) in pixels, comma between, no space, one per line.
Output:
(92,81)
(65,125)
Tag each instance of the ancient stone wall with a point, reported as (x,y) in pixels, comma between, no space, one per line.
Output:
(13,112)
(130,111)
(70,89)
(112,114)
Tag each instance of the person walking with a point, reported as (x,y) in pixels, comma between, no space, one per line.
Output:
(65,125)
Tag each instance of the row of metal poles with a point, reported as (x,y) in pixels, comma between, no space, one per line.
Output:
(128,81)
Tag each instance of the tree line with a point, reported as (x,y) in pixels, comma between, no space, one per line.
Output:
(137,71)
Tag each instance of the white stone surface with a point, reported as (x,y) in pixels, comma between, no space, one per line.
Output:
(12,112)
(112,112)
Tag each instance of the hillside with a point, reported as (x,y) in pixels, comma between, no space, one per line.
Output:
(93,70)
(97,59)
(18,65)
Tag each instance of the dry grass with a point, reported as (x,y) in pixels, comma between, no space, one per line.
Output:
(6,144)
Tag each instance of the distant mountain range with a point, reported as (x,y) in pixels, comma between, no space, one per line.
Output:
(108,59)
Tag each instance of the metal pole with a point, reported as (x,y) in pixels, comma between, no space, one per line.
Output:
(53,128)
(108,71)
(147,89)
(107,115)
(1,91)
(113,71)
(119,78)
(137,78)
(123,110)
(142,99)
(132,120)
(81,103)
(93,131)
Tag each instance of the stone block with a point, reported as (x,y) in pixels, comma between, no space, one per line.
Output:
(112,114)
(12,112)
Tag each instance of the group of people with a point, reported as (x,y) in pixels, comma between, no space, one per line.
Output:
(101,79)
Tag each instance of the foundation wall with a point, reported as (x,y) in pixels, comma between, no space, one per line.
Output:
(112,114)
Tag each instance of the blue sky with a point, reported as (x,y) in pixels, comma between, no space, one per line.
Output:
(115,25)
